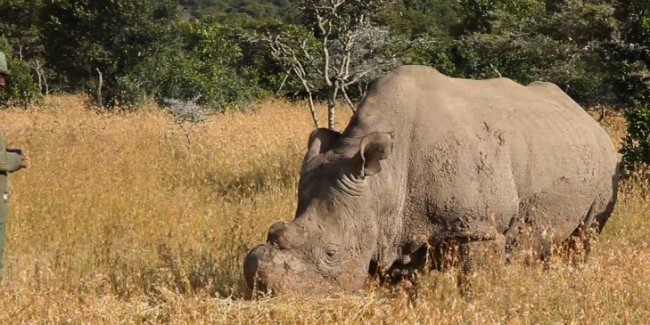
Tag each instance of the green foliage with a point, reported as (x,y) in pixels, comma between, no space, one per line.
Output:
(417,18)
(598,51)
(18,24)
(438,54)
(524,41)
(259,9)
(629,54)
(206,63)
(227,78)
(142,52)
(21,89)
(636,148)
(475,16)
(86,38)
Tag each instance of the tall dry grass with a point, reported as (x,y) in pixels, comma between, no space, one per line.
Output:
(117,220)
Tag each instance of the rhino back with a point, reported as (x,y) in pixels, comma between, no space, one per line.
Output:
(471,155)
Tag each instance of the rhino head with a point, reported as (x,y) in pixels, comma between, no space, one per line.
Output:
(329,245)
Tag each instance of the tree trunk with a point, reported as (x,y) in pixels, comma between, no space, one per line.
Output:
(99,88)
(331,108)
(312,110)
(331,111)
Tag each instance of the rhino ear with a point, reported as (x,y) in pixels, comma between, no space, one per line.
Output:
(375,147)
(320,140)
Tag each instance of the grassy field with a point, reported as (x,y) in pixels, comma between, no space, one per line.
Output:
(119,220)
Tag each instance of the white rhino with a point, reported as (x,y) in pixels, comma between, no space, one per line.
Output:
(429,159)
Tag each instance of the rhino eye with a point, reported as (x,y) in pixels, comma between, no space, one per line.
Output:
(330,256)
(331,250)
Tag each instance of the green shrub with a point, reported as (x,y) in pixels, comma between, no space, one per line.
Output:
(636,148)
(206,62)
(21,89)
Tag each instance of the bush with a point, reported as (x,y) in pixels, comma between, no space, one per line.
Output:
(636,148)
(524,42)
(21,89)
(205,62)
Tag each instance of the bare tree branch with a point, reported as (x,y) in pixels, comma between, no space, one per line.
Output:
(347,98)
(336,47)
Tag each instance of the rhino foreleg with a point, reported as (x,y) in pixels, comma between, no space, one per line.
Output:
(476,255)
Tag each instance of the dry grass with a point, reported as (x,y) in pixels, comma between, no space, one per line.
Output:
(118,221)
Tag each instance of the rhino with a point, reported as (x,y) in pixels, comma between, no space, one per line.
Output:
(428,159)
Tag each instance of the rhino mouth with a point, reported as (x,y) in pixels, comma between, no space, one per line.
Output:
(268,270)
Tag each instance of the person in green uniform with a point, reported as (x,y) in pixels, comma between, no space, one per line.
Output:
(11,160)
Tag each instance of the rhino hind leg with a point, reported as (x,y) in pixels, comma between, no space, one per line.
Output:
(607,202)
(559,220)
(578,246)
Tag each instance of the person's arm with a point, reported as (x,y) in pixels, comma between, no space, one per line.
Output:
(9,161)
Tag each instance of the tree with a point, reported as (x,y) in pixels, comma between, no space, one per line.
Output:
(636,145)
(526,41)
(420,18)
(91,43)
(629,53)
(630,61)
(207,66)
(336,46)
(476,16)
(19,25)
(259,9)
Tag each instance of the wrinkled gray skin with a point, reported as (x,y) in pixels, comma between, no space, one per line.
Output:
(430,159)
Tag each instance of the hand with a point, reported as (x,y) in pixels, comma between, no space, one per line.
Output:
(24,161)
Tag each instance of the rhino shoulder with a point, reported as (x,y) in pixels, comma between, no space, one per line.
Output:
(410,73)
(544,84)
(547,88)
(415,70)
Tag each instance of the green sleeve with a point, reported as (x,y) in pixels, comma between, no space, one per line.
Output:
(9,161)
